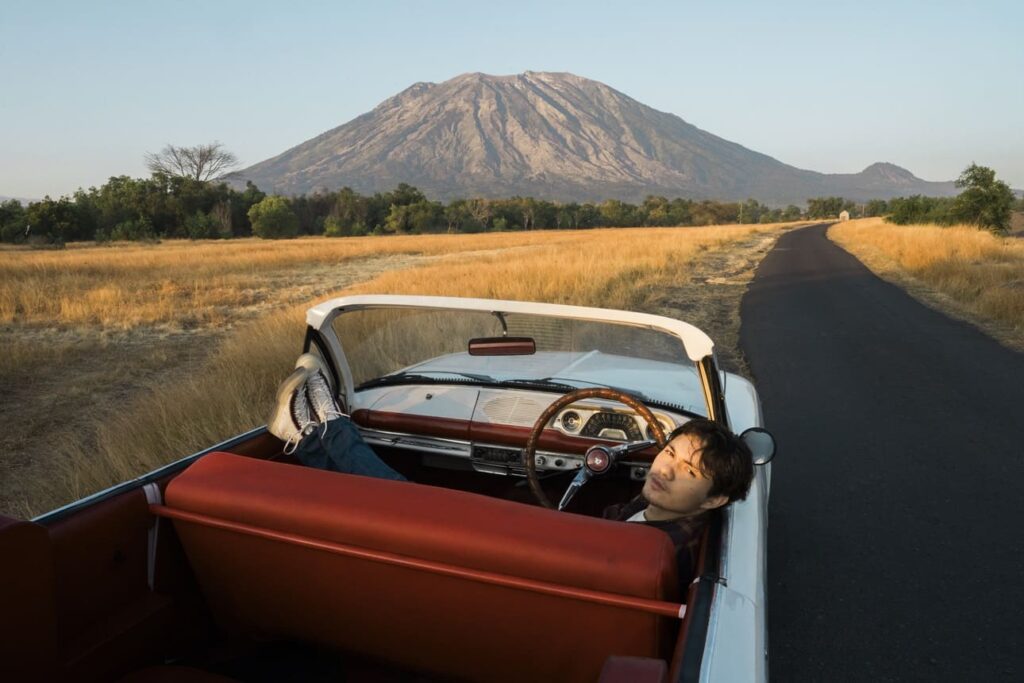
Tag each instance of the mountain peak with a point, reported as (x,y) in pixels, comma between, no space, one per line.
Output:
(552,135)
(890,172)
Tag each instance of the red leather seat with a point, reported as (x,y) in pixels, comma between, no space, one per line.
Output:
(431,579)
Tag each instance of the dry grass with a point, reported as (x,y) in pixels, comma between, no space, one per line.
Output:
(961,270)
(180,283)
(639,269)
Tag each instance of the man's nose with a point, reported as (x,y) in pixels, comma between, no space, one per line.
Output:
(664,470)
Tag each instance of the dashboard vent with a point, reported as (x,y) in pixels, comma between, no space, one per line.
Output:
(512,410)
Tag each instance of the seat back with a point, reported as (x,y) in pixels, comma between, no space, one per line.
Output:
(431,579)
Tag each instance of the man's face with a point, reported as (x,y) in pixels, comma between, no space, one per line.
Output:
(675,486)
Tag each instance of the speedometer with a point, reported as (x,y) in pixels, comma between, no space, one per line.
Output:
(616,426)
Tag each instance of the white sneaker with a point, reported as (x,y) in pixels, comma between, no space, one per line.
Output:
(322,398)
(292,416)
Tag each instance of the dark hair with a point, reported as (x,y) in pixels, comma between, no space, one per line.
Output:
(724,458)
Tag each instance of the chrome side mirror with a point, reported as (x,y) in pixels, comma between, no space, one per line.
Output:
(761,444)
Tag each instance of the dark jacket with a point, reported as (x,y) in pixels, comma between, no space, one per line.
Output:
(685,533)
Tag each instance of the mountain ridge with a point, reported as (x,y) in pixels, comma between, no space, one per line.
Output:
(554,136)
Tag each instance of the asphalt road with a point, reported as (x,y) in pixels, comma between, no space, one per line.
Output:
(896,538)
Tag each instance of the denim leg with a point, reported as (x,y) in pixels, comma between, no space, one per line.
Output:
(337,446)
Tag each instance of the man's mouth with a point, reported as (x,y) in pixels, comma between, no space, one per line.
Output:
(656,483)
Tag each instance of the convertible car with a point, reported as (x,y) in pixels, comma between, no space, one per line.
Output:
(516,424)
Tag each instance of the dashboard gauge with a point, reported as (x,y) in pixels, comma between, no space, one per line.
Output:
(571,420)
(616,426)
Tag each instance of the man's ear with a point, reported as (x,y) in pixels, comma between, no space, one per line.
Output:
(713,502)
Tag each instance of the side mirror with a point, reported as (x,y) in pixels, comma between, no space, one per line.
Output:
(761,444)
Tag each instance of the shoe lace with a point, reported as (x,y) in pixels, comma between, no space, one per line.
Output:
(318,391)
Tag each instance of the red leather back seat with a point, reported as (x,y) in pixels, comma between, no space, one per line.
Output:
(431,579)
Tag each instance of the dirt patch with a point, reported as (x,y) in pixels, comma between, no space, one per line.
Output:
(709,297)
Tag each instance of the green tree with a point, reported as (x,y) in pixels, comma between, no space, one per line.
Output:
(456,214)
(656,211)
(920,209)
(56,221)
(272,218)
(791,213)
(828,207)
(403,195)
(985,201)
(618,214)
(12,221)
(751,211)
(876,207)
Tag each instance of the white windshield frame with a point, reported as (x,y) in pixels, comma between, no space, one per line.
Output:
(697,345)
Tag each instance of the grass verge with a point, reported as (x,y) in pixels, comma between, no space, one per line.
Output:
(960,270)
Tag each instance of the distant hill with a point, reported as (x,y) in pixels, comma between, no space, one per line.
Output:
(23,200)
(555,136)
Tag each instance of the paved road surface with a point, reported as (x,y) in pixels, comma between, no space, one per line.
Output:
(896,549)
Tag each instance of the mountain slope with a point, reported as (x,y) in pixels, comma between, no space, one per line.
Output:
(551,135)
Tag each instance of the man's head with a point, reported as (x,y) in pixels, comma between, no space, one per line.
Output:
(703,466)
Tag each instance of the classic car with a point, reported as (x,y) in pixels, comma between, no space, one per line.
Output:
(517,423)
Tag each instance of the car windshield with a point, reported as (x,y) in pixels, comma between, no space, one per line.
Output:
(386,345)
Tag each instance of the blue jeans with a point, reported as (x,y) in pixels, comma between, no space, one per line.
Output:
(337,446)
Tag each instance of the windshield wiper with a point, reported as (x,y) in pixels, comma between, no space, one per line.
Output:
(545,384)
(419,378)
(565,384)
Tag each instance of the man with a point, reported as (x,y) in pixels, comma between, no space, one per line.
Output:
(703,466)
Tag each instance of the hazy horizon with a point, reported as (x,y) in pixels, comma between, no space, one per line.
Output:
(926,86)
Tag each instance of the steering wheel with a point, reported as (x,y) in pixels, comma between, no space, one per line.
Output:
(603,457)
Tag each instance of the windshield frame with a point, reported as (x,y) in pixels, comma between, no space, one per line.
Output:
(696,344)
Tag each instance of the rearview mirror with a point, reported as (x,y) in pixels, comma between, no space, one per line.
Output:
(502,346)
(761,444)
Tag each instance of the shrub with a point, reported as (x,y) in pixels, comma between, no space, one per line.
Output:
(132,230)
(204,226)
(272,218)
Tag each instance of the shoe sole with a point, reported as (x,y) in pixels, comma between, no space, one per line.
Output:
(312,363)
(282,422)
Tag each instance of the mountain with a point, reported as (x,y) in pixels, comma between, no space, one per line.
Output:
(555,136)
(22,200)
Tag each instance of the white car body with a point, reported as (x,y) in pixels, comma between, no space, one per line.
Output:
(736,646)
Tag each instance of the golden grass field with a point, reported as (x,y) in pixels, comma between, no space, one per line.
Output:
(961,270)
(125,358)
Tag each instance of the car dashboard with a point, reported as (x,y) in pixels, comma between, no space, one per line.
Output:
(485,428)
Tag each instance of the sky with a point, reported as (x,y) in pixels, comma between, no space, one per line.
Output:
(89,88)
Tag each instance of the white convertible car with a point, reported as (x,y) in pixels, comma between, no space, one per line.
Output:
(518,422)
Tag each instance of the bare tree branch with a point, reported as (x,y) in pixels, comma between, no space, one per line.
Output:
(202,162)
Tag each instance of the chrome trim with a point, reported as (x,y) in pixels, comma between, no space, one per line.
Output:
(712,634)
(430,444)
(153,497)
(63,511)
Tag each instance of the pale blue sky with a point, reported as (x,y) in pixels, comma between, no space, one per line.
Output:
(88,88)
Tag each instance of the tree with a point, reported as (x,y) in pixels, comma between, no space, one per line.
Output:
(791,213)
(202,162)
(985,201)
(272,218)
(876,207)
(12,221)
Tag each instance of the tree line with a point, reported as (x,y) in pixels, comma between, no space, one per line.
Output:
(166,206)
(179,200)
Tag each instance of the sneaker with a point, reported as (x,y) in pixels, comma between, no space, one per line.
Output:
(292,416)
(322,399)
(313,363)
